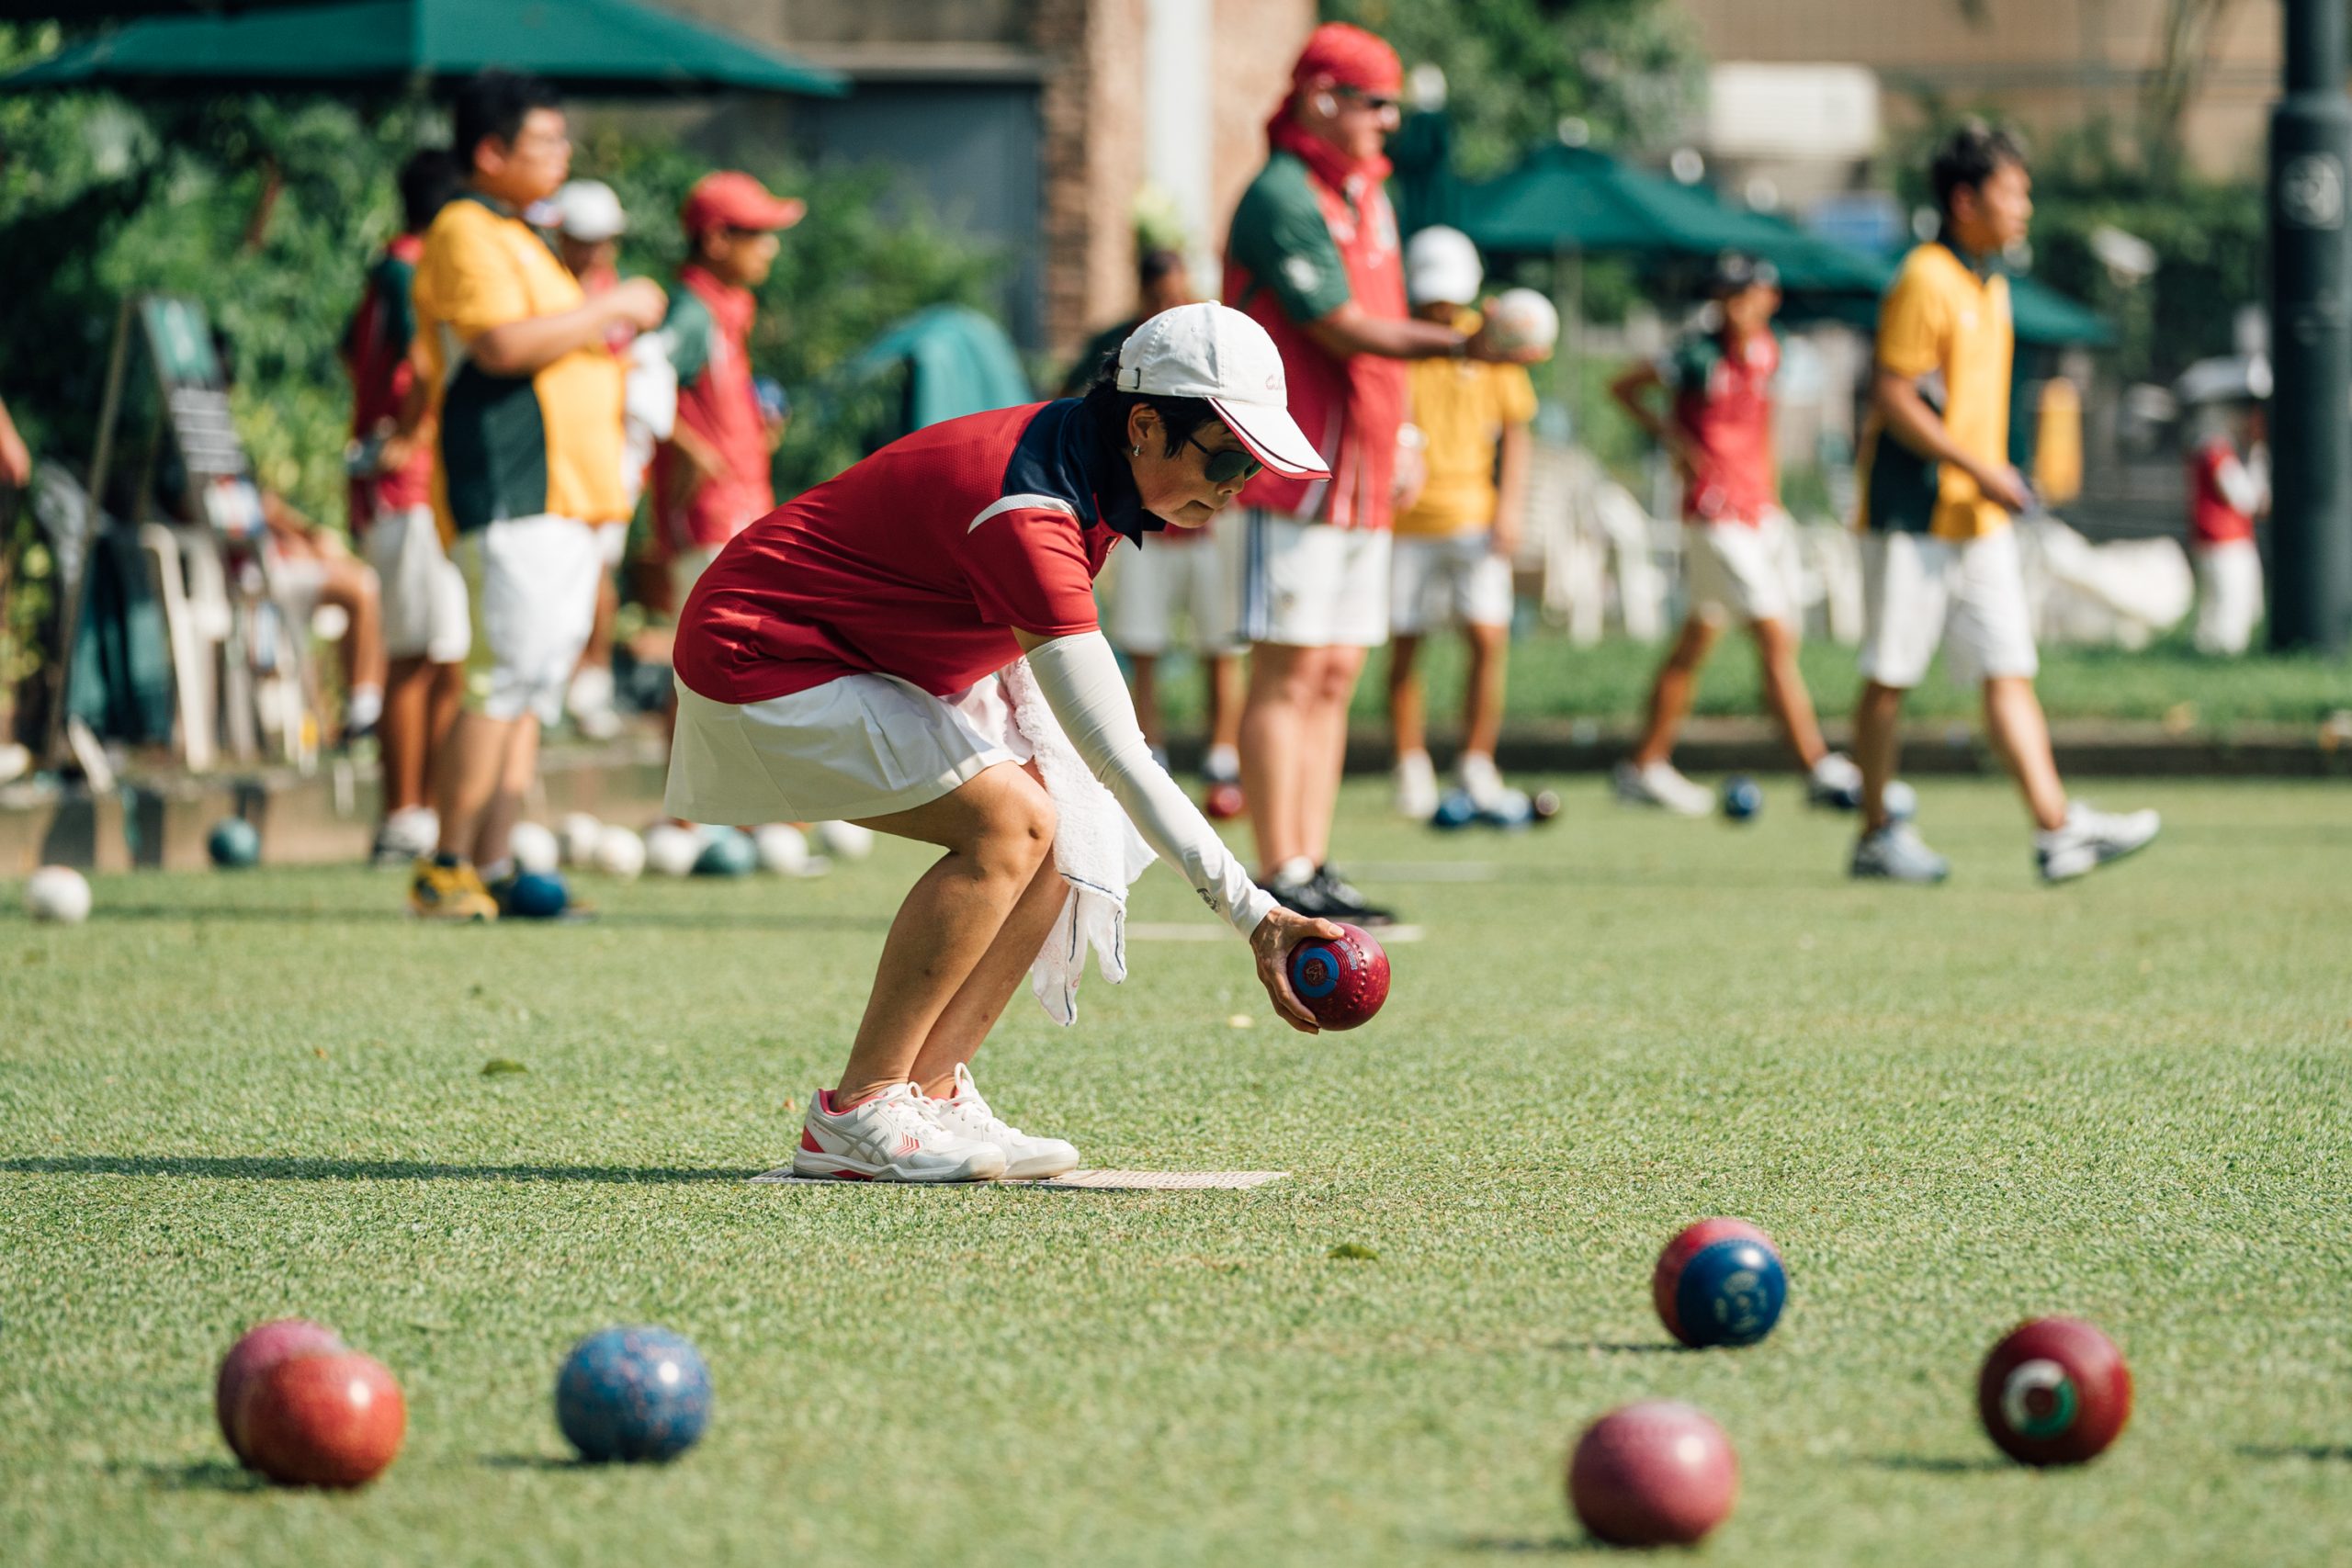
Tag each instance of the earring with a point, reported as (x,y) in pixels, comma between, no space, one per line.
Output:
(1136,450)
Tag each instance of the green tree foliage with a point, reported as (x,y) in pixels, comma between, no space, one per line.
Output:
(1630,69)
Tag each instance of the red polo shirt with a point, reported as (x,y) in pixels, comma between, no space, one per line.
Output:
(376,344)
(918,562)
(1298,250)
(709,326)
(1722,402)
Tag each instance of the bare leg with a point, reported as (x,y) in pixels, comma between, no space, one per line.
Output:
(446,701)
(467,776)
(2014,722)
(404,734)
(1482,698)
(350,585)
(598,654)
(1335,685)
(1224,699)
(1785,697)
(998,831)
(1878,745)
(1274,740)
(521,766)
(1408,719)
(955,1039)
(1670,693)
(1144,680)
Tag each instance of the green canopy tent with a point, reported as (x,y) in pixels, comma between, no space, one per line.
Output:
(605,48)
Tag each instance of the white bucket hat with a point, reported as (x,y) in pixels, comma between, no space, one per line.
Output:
(1442,267)
(1217,353)
(587,210)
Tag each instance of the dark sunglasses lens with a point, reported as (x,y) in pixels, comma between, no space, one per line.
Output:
(1224,468)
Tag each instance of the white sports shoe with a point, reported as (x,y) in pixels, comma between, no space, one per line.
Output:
(891,1137)
(2090,839)
(965,1113)
(1481,782)
(1415,786)
(1660,784)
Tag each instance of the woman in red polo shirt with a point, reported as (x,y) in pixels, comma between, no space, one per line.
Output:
(842,658)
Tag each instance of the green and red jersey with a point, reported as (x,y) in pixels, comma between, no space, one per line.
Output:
(1300,247)
(709,327)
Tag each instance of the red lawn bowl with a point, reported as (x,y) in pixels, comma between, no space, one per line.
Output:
(1343,981)
(2055,1392)
(1659,1472)
(260,1348)
(1666,1278)
(1223,801)
(334,1418)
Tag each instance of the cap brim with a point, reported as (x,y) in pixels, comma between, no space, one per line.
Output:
(1273,438)
(781,213)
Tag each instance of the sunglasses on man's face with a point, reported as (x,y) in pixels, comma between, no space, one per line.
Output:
(1223,465)
(1375,103)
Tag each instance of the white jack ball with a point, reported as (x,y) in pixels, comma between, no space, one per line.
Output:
(58,893)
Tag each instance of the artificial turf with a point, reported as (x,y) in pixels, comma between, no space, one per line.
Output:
(233,1097)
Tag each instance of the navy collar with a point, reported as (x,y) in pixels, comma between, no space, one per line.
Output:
(1980,268)
(1061,454)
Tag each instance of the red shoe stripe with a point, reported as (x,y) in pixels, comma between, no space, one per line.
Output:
(851,1176)
(808,1142)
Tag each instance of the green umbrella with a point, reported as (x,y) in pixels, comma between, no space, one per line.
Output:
(605,47)
(1573,198)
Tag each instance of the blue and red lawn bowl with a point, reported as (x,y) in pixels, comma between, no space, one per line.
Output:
(1657,1472)
(1341,981)
(1719,1283)
(2055,1390)
(632,1394)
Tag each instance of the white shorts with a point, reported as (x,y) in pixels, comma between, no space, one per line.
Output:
(1448,580)
(1729,573)
(2229,596)
(1149,586)
(611,543)
(856,747)
(1307,584)
(532,581)
(423,591)
(1966,594)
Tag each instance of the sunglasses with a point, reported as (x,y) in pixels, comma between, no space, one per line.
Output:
(1373,101)
(1223,465)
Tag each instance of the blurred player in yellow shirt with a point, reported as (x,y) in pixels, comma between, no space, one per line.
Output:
(1455,539)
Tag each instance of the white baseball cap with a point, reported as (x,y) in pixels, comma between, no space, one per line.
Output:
(1442,267)
(1220,356)
(587,210)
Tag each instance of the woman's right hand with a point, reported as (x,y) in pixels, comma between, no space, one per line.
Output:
(1270,944)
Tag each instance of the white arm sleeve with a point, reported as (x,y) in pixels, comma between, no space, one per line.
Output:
(1080,679)
(2239,487)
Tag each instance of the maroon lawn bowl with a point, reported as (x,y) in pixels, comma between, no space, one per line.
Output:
(2055,1392)
(258,1349)
(1341,980)
(1659,1472)
(331,1418)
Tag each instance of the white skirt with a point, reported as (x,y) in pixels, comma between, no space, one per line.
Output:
(856,747)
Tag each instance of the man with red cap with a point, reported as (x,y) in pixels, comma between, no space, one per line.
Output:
(1314,257)
(710,478)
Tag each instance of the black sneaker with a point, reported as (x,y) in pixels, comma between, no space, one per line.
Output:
(1307,898)
(1346,901)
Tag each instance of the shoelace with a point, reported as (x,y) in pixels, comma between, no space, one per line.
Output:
(975,1113)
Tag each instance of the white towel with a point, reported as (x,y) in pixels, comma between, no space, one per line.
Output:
(1096,849)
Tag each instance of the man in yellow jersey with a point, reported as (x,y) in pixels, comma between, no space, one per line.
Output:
(1939,552)
(1451,563)
(528,393)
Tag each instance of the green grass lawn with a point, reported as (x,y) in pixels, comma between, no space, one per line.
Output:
(231,1098)
(1610,683)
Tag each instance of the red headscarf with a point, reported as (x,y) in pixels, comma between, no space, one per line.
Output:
(1346,57)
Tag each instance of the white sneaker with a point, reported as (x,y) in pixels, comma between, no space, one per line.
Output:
(1834,783)
(891,1137)
(590,702)
(1660,784)
(1481,782)
(966,1114)
(1415,786)
(2091,838)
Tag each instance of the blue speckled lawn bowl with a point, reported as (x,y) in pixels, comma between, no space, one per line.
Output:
(632,1394)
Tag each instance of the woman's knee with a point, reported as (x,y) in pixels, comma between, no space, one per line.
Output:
(1018,834)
